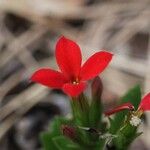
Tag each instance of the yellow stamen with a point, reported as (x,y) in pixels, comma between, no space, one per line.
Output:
(76,81)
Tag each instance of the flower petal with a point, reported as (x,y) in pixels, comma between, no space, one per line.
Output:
(145,103)
(95,65)
(122,107)
(74,89)
(50,78)
(68,57)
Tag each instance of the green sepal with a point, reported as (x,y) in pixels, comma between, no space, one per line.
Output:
(80,110)
(95,113)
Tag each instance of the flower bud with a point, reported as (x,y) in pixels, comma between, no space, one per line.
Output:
(125,106)
(97,87)
(68,131)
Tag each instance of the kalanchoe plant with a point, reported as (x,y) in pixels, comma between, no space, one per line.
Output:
(87,128)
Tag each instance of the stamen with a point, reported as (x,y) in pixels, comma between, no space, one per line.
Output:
(76,81)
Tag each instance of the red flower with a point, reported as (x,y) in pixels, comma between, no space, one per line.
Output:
(72,77)
(143,106)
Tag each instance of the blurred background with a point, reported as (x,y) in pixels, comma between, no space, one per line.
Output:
(29,30)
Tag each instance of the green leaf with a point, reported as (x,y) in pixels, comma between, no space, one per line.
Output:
(55,130)
(63,143)
(133,96)
(46,139)
(99,145)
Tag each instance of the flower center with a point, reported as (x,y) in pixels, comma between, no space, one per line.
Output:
(76,81)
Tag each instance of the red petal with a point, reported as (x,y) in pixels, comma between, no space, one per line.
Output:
(122,107)
(95,65)
(68,57)
(48,77)
(145,103)
(74,89)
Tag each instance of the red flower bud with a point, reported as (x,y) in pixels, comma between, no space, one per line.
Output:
(68,131)
(125,106)
(97,87)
